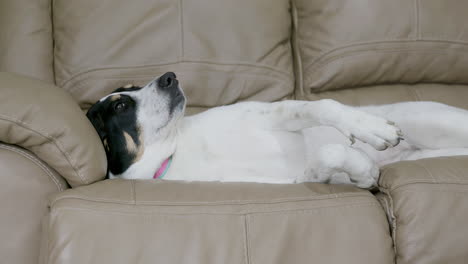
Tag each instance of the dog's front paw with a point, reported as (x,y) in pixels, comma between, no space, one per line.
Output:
(374,130)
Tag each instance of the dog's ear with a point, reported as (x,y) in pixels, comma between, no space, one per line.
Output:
(94,115)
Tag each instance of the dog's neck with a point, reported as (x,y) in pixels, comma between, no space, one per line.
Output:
(154,155)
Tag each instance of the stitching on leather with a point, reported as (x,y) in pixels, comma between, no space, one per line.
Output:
(50,139)
(316,210)
(133,192)
(200,62)
(419,19)
(332,190)
(418,181)
(384,41)
(414,93)
(428,172)
(353,54)
(148,76)
(97,200)
(416,19)
(393,223)
(281,82)
(49,227)
(36,161)
(84,83)
(454,192)
(343,53)
(247,240)
(297,56)
(228,202)
(413,182)
(393,216)
(181,21)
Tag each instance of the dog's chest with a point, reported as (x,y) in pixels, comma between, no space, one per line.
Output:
(238,153)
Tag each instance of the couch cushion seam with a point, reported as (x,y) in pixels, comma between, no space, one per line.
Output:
(414,93)
(84,83)
(181,21)
(298,211)
(394,220)
(415,182)
(314,210)
(455,192)
(354,54)
(247,240)
(296,49)
(324,54)
(428,172)
(133,191)
(416,18)
(200,62)
(36,161)
(49,138)
(226,202)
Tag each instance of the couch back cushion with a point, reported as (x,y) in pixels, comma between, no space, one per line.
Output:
(26,38)
(345,44)
(222,51)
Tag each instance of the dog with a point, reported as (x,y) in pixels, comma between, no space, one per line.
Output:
(145,135)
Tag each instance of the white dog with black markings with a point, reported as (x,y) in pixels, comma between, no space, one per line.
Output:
(146,136)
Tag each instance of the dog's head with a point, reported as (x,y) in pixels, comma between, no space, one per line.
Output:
(138,126)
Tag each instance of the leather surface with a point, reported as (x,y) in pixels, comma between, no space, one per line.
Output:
(25,184)
(345,44)
(455,95)
(426,201)
(176,222)
(46,120)
(26,38)
(222,51)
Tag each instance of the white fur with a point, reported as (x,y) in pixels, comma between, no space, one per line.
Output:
(292,141)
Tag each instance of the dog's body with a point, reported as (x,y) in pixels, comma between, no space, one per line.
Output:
(281,142)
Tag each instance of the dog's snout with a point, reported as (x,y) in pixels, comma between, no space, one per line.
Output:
(166,80)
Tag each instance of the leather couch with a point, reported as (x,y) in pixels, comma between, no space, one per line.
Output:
(61,56)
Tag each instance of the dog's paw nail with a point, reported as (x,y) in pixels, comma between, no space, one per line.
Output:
(353,140)
(401,138)
(128,86)
(399,133)
(391,123)
(382,148)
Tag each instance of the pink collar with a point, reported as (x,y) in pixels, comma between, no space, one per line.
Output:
(163,169)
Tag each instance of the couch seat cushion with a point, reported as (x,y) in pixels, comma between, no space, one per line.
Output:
(157,221)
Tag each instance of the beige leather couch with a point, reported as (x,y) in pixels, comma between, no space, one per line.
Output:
(55,208)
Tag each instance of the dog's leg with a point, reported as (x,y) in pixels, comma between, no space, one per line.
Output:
(352,122)
(336,163)
(427,125)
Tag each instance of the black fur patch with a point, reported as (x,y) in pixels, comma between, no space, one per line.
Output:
(115,121)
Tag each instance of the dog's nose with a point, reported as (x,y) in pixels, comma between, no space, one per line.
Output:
(166,80)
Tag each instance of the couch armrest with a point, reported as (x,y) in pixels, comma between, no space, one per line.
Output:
(25,184)
(427,204)
(47,121)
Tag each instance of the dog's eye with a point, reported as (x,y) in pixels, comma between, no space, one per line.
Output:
(120,106)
